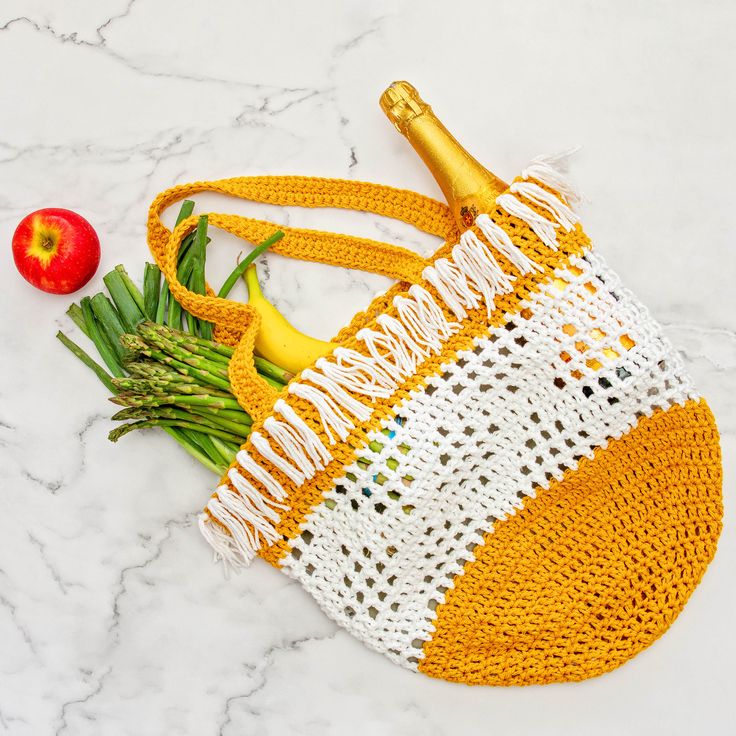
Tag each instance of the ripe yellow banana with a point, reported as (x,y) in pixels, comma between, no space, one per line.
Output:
(278,340)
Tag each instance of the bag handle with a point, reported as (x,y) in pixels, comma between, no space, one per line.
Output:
(238,323)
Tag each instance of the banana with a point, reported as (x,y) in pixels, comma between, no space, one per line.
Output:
(277,339)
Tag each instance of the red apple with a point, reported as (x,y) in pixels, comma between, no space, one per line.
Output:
(56,250)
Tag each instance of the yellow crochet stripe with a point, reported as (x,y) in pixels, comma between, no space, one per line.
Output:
(304,498)
(240,323)
(595,568)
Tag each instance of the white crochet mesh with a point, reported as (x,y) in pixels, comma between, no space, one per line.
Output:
(577,367)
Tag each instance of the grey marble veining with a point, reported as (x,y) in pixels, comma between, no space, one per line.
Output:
(112,618)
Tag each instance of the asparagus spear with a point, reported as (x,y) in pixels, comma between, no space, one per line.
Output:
(214,351)
(155,339)
(172,412)
(149,369)
(224,351)
(131,342)
(124,429)
(228,415)
(196,345)
(165,385)
(127,399)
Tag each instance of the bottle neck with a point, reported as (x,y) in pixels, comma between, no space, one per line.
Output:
(469,188)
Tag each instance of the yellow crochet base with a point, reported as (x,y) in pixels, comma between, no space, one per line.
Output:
(503,474)
(595,568)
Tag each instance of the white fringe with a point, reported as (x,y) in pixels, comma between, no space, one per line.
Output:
(266,506)
(358,373)
(541,197)
(423,318)
(328,409)
(310,439)
(248,519)
(251,507)
(544,228)
(244,543)
(481,268)
(262,476)
(389,353)
(222,543)
(333,387)
(241,519)
(286,438)
(260,443)
(397,329)
(501,241)
(549,170)
(452,286)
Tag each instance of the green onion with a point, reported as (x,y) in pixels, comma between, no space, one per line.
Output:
(187,207)
(193,450)
(127,306)
(206,443)
(227,450)
(267,368)
(151,289)
(239,270)
(133,290)
(109,321)
(75,312)
(103,348)
(197,280)
(99,371)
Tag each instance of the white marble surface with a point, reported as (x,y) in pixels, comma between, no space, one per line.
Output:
(112,619)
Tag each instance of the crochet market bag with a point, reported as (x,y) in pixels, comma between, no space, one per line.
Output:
(503,474)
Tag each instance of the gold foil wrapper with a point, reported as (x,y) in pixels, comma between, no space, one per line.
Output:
(469,188)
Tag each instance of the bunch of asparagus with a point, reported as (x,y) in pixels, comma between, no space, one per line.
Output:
(180,380)
(154,350)
(163,366)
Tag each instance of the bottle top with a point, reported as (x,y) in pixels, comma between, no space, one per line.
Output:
(401,103)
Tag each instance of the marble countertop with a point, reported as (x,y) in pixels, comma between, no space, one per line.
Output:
(112,618)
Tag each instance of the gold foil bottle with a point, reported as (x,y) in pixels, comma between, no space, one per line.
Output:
(469,188)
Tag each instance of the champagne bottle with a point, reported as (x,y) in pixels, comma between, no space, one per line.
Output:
(469,188)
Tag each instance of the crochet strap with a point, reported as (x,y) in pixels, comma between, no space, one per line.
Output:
(238,323)
(424,213)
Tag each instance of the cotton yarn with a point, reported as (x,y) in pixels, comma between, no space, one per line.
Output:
(503,474)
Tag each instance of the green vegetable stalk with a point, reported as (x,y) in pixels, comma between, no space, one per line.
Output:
(173,378)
